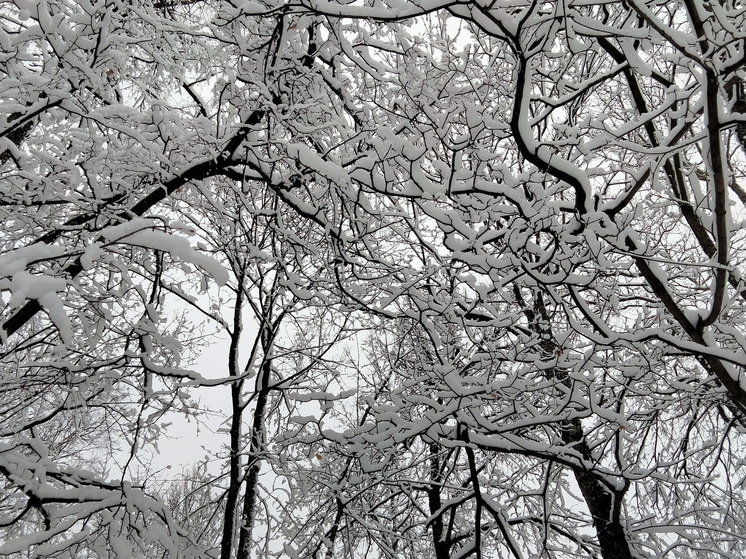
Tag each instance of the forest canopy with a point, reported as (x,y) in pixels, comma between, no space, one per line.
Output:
(467,274)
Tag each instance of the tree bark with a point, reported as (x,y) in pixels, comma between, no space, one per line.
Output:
(440,544)
(255,463)
(234,461)
(604,504)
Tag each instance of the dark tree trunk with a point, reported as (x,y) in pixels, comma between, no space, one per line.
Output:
(604,504)
(441,546)
(255,463)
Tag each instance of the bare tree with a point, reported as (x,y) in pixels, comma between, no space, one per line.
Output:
(534,208)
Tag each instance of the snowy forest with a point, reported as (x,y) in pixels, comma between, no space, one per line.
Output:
(428,279)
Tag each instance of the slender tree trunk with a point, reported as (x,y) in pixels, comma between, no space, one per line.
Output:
(234,461)
(255,462)
(234,477)
(441,546)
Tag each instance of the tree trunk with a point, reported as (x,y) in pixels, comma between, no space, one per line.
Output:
(441,546)
(604,504)
(255,463)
